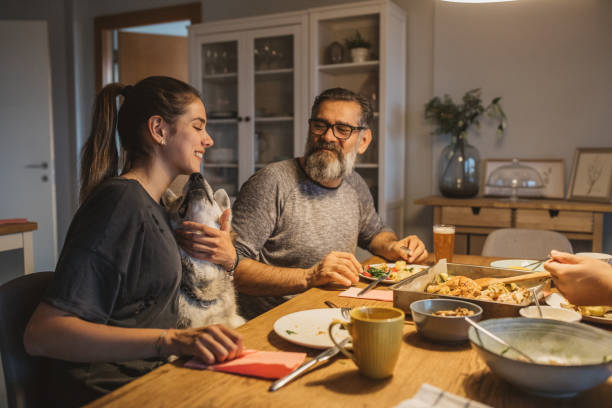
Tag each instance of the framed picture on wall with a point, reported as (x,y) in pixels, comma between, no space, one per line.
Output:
(591,178)
(552,172)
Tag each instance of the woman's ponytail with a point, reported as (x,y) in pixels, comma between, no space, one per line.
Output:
(99,157)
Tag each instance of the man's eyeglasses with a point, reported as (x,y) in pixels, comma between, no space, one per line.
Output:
(340,130)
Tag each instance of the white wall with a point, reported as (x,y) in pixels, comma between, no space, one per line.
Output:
(550,61)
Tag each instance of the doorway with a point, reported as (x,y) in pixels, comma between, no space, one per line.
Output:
(139,31)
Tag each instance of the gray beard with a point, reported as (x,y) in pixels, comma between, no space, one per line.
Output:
(322,168)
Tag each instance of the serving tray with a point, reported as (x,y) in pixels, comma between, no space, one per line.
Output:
(404,295)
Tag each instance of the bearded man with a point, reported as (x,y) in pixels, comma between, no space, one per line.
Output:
(299,221)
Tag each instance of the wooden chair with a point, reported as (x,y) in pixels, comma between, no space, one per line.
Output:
(524,243)
(24,374)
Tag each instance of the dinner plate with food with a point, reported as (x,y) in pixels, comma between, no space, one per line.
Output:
(398,271)
(595,314)
(308,328)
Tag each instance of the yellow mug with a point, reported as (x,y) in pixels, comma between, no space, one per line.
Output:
(376,333)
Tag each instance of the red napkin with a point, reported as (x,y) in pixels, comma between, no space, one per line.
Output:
(13,221)
(255,363)
(374,294)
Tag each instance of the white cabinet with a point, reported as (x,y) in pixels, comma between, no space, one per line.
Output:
(252,75)
(259,77)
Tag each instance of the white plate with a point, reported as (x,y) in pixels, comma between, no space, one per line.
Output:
(308,328)
(517,264)
(555,300)
(416,267)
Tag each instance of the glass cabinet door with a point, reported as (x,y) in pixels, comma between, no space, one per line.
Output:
(220,94)
(274,79)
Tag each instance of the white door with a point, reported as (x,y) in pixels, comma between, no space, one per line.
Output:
(27,179)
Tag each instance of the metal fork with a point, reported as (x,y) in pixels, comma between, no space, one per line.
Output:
(346,311)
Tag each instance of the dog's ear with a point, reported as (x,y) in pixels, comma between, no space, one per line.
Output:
(222,199)
(168,198)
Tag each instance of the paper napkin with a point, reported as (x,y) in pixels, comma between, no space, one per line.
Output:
(375,294)
(255,363)
(428,396)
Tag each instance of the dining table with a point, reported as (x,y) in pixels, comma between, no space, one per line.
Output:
(455,369)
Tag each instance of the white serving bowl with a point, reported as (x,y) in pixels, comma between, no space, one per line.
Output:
(584,350)
(596,255)
(549,312)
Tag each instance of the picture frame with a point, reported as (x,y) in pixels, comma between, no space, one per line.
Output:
(552,172)
(591,178)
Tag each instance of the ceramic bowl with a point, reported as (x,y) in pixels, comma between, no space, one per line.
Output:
(549,312)
(570,357)
(447,329)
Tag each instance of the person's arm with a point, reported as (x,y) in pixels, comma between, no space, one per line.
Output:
(258,279)
(54,333)
(386,245)
(207,243)
(583,281)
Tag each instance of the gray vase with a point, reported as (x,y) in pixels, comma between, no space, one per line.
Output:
(459,170)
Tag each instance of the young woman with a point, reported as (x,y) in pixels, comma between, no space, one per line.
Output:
(109,313)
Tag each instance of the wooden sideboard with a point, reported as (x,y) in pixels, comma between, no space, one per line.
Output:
(475,218)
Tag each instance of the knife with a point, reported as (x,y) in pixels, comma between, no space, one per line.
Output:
(410,278)
(374,283)
(325,355)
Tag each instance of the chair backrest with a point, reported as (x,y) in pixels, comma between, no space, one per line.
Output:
(524,243)
(23,374)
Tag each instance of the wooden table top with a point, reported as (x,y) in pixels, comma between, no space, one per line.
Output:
(457,369)
(14,228)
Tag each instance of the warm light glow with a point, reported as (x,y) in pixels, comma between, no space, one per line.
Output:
(477,1)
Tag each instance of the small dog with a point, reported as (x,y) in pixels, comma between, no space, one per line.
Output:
(207,295)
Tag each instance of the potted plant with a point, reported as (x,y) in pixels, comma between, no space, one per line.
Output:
(460,162)
(358,46)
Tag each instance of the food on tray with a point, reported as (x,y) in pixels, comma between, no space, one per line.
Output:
(399,271)
(596,311)
(460,311)
(466,287)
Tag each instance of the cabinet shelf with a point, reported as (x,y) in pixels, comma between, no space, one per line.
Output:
(222,121)
(273,119)
(272,72)
(220,165)
(366,165)
(213,77)
(349,67)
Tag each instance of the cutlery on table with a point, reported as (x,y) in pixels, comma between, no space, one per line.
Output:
(534,265)
(325,355)
(535,299)
(497,339)
(373,284)
(344,310)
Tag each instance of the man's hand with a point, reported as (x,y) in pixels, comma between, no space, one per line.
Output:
(583,281)
(337,267)
(211,344)
(209,244)
(410,249)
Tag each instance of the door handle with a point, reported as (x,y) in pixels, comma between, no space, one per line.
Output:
(42,165)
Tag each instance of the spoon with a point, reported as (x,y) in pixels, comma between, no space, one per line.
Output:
(497,339)
(535,299)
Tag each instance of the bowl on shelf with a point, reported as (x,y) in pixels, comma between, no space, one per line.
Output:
(569,357)
(446,329)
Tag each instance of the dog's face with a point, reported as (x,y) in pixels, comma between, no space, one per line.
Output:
(197,203)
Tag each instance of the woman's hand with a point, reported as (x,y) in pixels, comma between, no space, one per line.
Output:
(209,244)
(583,281)
(211,344)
